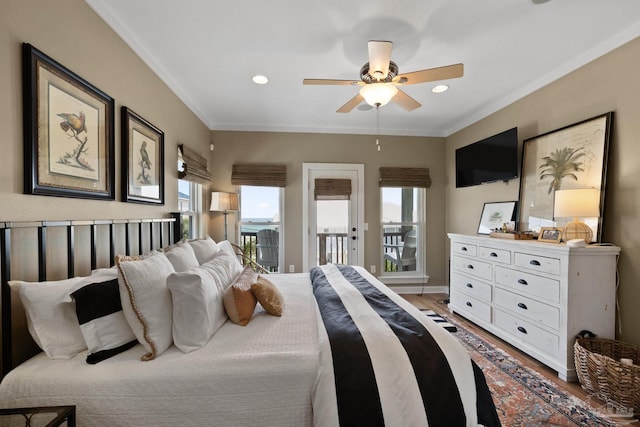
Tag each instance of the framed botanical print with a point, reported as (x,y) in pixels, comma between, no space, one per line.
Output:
(573,157)
(142,160)
(68,132)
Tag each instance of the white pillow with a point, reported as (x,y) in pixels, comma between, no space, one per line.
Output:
(182,257)
(198,310)
(146,301)
(51,316)
(205,249)
(224,268)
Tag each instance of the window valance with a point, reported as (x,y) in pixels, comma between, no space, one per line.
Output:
(405,177)
(332,189)
(259,174)
(194,166)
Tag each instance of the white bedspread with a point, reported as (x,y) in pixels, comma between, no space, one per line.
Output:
(261,374)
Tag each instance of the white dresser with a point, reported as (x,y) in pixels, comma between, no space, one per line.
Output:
(536,296)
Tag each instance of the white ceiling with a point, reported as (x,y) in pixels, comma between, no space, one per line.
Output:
(206,51)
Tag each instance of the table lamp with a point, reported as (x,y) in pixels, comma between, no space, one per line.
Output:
(577,203)
(224,202)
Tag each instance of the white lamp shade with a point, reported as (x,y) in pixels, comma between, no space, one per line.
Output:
(223,202)
(378,94)
(577,203)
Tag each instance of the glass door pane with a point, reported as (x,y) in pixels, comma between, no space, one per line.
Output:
(332,222)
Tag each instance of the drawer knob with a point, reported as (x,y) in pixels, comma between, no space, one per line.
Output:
(469,285)
(522,282)
(534,262)
(521,329)
(464,249)
(493,254)
(469,304)
(470,267)
(522,305)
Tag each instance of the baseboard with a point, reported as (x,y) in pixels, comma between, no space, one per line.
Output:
(419,289)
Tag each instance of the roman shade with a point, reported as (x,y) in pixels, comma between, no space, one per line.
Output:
(404,177)
(194,166)
(332,189)
(262,175)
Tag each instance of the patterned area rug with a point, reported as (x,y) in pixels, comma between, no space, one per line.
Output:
(522,396)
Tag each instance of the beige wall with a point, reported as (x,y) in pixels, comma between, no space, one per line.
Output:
(293,149)
(72,34)
(608,84)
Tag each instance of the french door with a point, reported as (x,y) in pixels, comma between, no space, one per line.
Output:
(333,225)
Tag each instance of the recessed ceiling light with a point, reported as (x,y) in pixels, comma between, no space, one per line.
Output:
(440,89)
(260,79)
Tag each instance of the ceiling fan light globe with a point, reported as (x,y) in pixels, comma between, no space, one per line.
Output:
(378,94)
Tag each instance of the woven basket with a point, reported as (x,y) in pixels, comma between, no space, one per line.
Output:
(601,373)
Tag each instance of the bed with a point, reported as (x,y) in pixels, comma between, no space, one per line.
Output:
(345,350)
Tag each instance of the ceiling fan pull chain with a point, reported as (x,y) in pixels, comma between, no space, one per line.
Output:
(378,127)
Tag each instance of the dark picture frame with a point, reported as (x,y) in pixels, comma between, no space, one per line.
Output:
(68,131)
(550,234)
(142,160)
(495,214)
(571,157)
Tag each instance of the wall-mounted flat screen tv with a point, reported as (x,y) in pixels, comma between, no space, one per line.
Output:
(489,160)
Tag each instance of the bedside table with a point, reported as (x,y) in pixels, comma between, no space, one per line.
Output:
(46,416)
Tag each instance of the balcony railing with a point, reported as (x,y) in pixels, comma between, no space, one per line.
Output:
(330,247)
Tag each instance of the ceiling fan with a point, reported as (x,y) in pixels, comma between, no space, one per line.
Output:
(379,79)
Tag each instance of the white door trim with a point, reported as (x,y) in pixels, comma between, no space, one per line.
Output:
(359,192)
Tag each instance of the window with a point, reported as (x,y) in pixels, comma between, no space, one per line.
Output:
(261,224)
(190,190)
(402,210)
(190,207)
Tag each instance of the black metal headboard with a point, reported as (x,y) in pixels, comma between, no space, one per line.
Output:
(98,237)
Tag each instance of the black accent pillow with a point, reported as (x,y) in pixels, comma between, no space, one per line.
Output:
(102,321)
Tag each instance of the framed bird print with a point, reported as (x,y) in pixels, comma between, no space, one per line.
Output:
(68,132)
(142,160)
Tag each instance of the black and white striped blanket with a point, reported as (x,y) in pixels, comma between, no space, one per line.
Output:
(384,363)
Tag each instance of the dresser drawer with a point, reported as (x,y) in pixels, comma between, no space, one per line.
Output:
(526,307)
(464,249)
(470,305)
(471,286)
(530,284)
(493,254)
(473,267)
(537,263)
(526,332)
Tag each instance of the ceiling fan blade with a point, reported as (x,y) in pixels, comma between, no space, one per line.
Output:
(351,104)
(328,82)
(405,101)
(430,75)
(379,58)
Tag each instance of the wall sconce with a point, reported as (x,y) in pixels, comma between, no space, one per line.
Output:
(578,203)
(224,202)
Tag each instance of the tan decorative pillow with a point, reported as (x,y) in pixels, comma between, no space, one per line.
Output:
(268,296)
(239,301)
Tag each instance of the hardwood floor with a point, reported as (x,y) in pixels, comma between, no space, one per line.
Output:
(436,303)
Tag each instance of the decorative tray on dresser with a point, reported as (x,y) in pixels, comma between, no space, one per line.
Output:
(536,296)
